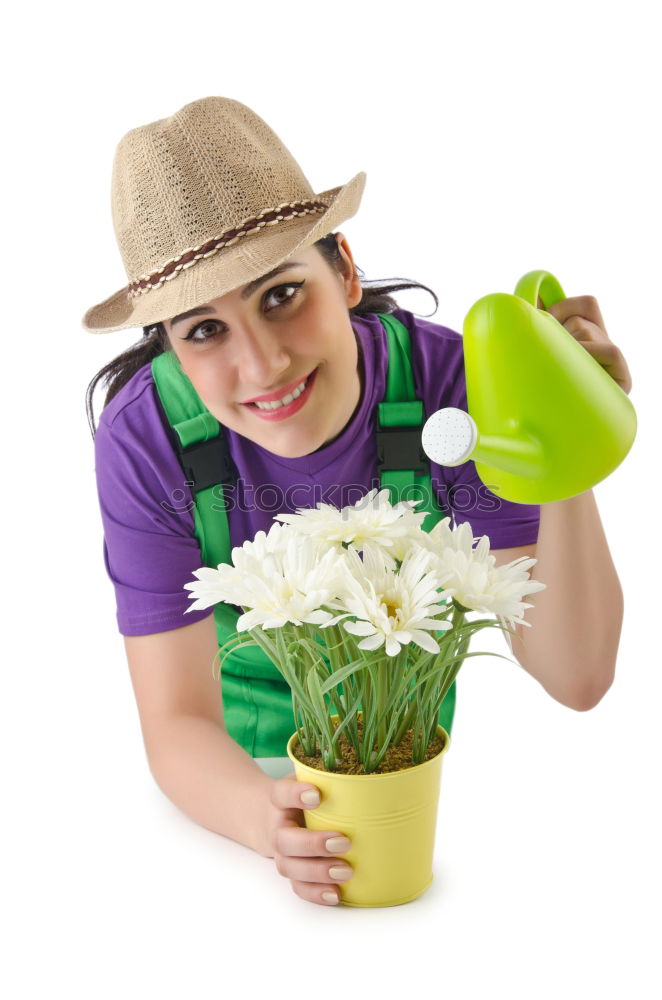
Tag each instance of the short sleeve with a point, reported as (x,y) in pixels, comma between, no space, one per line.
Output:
(438,362)
(150,549)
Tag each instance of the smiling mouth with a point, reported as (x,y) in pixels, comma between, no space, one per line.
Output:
(276,410)
(284,401)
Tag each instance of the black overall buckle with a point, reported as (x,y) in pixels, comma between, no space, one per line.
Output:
(208,463)
(400,448)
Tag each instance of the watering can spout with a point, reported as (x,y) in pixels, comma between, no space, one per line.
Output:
(545,422)
(519,456)
(453,438)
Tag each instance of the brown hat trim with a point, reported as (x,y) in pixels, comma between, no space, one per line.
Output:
(270,217)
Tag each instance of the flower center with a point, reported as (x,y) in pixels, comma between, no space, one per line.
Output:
(392,608)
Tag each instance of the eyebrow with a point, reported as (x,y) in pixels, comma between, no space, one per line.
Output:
(253,285)
(246,292)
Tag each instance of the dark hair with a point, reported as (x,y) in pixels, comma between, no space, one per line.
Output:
(376,297)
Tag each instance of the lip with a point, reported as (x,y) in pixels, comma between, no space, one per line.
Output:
(283,412)
(271,396)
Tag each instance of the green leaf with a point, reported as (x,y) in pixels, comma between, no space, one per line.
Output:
(338,676)
(315,691)
(349,715)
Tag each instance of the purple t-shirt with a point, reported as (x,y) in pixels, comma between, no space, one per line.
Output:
(150,549)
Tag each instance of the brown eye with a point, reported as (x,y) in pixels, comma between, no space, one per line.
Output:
(204,331)
(281,295)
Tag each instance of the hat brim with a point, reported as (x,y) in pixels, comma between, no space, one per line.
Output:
(252,256)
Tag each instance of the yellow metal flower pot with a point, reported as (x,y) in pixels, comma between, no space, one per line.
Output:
(391,821)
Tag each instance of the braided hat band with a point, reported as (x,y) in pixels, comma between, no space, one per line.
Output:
(215,180)
(268,218)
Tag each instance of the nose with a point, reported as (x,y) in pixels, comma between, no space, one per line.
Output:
(259,356)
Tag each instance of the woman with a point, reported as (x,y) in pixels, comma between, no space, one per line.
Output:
(233,265)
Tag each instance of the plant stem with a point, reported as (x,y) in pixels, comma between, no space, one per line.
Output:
(382,678)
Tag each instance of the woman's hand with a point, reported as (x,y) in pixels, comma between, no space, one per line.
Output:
(582,318)
(300,854)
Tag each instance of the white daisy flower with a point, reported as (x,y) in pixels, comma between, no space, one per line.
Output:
(392,608)
(470,574)
(372,518)
(279,577)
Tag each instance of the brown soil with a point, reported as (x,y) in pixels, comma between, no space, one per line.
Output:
(396,758)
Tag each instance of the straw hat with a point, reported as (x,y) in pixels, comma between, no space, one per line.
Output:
(203,202)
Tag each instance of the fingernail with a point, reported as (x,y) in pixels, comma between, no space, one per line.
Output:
(330,897)
(340,871)
(338,845)
(310,798)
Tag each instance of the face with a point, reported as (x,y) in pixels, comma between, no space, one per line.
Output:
(267,338)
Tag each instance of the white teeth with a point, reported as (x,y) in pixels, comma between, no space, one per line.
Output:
(275,404)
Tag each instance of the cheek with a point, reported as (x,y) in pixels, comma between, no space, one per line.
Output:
(207,378)
(216,388)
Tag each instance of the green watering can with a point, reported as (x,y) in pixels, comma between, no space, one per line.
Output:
(546,422)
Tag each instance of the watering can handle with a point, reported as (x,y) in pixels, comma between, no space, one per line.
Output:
(541,284)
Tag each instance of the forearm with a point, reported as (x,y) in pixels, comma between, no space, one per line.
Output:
(201,769)
(572,644)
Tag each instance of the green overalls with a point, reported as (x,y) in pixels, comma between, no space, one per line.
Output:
(257,702)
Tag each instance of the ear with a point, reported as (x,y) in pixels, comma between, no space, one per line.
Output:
(351,280)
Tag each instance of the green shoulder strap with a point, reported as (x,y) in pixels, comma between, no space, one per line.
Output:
(403,465)
(197,433)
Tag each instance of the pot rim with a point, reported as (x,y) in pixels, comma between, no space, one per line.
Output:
(386,774)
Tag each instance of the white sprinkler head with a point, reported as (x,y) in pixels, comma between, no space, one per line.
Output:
(449,436)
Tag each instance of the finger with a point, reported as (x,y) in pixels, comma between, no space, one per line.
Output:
(325,895)
(583,330)
(300,842)
(317,871)
(611,359)
(606,353)
(286,793)
(579,305)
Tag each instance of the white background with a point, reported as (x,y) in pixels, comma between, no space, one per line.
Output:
(497,138)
